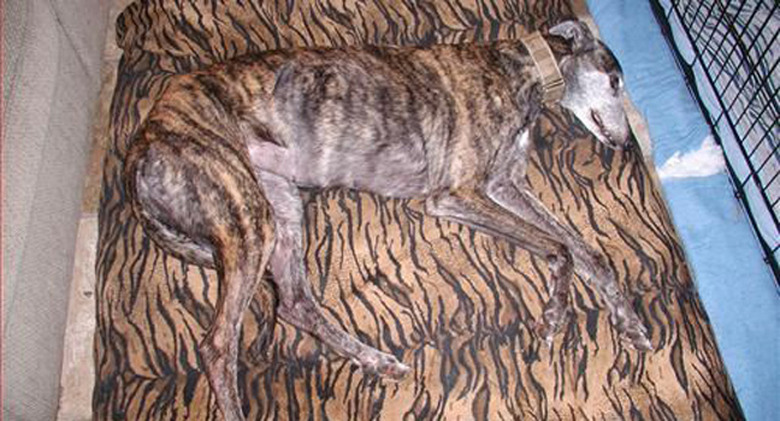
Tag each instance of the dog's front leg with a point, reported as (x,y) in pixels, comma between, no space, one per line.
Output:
(473,207)
(296,301)
(592,265)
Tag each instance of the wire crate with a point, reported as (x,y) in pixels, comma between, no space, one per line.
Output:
(729,52)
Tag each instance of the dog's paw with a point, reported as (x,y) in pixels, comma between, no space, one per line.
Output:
(554,319)
(393,369)
(636,337)
(633,332)
(383,365)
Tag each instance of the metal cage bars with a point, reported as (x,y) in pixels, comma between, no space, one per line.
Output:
(735,63)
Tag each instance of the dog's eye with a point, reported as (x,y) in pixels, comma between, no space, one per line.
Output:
(614,83)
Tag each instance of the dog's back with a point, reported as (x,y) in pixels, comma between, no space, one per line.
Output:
(399,122)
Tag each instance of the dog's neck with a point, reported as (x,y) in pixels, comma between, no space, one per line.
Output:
(517,63)
(547,68)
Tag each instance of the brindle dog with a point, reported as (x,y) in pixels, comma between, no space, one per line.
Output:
(214,173)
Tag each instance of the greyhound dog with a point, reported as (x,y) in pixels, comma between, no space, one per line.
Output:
(214,172)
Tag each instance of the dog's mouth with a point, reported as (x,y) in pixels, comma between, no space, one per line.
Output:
(606,136)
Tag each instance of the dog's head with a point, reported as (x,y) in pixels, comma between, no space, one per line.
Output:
(594,84)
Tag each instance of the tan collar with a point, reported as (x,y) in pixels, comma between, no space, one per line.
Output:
(552,80)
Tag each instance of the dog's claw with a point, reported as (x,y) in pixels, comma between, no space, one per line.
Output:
(546,331)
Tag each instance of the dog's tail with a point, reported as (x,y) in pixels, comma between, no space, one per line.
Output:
(242,259)
(201,201)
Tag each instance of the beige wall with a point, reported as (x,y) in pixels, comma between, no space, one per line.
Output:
(51,62)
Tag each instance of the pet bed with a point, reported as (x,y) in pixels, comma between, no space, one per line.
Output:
(456,305)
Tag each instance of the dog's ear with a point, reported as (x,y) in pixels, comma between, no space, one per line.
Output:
(574,31)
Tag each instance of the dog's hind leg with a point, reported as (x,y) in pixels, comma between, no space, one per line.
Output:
(204,205)
(239,278)
(296,301)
